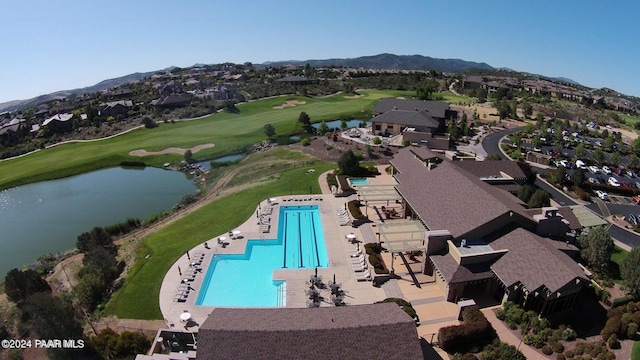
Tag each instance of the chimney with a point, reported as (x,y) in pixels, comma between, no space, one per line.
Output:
(463,243)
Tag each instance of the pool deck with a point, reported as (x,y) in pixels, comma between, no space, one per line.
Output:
(428,301)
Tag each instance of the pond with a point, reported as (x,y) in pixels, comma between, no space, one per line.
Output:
(47,217)
(335,124)
(223,159)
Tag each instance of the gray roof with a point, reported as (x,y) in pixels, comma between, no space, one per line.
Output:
(127,103)
(534,262)
(378,331)
(408,118)
(436,109)
(493,168)
(455,273)
(447,197)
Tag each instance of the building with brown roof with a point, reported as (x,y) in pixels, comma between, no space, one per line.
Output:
(377,331)
(481,238)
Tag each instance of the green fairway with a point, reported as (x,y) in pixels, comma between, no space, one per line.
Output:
(457,99)
(228,131)
(631,120)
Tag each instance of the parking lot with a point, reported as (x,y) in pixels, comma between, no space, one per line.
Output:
(621,200)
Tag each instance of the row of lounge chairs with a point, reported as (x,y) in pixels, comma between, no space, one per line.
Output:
(302,198)
(343,216)
(182,292)
(360,266)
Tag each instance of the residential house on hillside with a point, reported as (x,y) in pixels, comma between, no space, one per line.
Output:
(420,121)
(480,238)
(115,108)
(295,80)
(172,101)
(59,123)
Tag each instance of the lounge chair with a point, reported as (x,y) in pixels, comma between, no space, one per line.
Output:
(364,276)
(357,258)
(359,267)
(354,253)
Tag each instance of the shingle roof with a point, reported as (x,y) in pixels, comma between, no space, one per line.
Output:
(455,273)
(408,118)
(57,117)
(493,168)
(436,109)
(533,262)
(348,332)
(566,214)
(447,197)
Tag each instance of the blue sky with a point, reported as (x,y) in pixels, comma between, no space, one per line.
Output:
(57,45)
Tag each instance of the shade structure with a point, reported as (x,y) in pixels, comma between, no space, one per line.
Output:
(185,316)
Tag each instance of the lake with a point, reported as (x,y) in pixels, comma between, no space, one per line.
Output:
(47,217)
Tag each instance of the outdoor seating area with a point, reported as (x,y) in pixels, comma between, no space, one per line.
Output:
(361,268)
(188,276)
(314,292)
(343,216)
(301,198)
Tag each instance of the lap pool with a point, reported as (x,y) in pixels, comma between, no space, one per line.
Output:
(246,280)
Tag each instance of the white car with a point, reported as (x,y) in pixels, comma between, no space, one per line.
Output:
(630,173)
(606,170)
(602,195)
(613,181)
(580,164)
(594,169)
(593,180)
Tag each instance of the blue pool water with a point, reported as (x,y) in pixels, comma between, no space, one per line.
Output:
(359,181)
(246,280)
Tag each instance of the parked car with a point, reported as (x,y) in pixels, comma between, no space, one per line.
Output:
(606,170)
(613,181)
(580,164)
(630,173)
(594,169)
(637,184)
(602,195)
(625,184)
(636,199)
(632,219)
(618,171)
(593,180)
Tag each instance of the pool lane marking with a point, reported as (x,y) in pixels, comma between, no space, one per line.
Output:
(284,239)
(315,239)
(300,238)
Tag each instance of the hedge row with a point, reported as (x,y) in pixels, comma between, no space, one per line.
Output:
(620,190)
(474,333)
(354,209)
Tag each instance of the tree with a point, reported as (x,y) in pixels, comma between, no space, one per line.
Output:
(148,123)
(305,120)
(577,177)
(608,142)
(323,128)
(525,193)
(561,173)
(539,199)
(124,345)
(376,140)
(630,271)
(454,131)
(269,130)
(634,160)
(343,124)
(615,159)
(597,247)
(598,155)
(19,285)
(527,109)
(188,156)
(493,156)
(536,141)
(348,163)
(580,150)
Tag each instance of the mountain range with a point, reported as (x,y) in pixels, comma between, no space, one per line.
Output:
(382,62)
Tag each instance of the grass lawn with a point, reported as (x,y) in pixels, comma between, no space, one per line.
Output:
(221,129)
(138,298)
(635,351)
(617,257)
(631,120)
(457,99)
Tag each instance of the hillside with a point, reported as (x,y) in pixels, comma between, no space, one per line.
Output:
(393,62)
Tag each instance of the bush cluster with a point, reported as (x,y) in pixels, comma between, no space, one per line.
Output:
(474,333)
(622,323)
(354,209)
(581,193)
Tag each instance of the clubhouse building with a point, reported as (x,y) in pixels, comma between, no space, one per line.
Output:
(480,239)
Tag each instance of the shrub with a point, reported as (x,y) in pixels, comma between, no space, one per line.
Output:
(613,342)
(372,248)
(547,350)
(579,348)
(475,332)
(305,142)
(568,334)
(569,354)
(560,357)
(557,347)
(354,209)
(404,304)
(632,330)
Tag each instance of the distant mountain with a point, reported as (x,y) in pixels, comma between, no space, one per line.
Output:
(392,62)
(102,85)
(567,80)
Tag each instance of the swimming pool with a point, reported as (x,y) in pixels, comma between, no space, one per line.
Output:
(246,280)
(358,181)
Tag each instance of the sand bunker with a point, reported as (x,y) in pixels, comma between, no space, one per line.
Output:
(353,96)
(289,103)
(171,150)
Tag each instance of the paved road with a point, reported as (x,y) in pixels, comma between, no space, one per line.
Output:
(490,142)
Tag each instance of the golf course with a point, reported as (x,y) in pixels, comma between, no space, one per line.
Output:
(228,131)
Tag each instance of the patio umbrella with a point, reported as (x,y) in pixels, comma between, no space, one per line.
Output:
(334,278)
(316,272)
(188,257)
(179,271)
